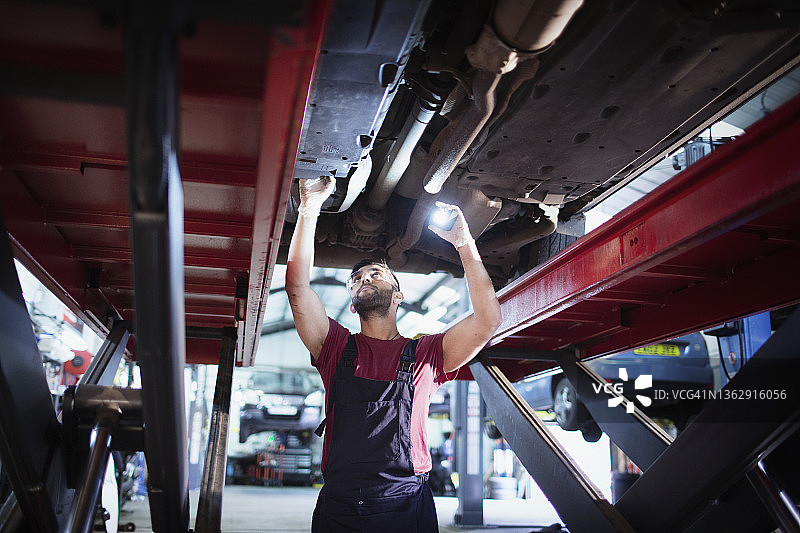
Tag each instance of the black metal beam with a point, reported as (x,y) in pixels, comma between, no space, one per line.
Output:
(578,502)
(156,210)
(737,510)
(11,519)
(770,494)
(724,442)
(105,363)
(29,429)
(644,441)
(194,332)
(524,355)
(209,507)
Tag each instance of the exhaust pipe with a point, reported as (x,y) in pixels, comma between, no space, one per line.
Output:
(521,29)
(400,155)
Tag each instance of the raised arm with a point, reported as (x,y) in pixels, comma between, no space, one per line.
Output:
(464,340)
(309,314)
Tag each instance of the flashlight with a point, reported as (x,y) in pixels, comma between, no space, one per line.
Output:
(443,218)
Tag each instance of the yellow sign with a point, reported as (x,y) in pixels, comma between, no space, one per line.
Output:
(659,349)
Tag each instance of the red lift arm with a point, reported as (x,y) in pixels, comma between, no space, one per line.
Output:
(718,242)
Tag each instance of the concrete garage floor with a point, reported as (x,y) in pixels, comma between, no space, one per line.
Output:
(250,509)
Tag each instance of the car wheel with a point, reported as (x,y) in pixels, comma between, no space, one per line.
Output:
(566,405)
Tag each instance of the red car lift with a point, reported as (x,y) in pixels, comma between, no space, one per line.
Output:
(716,243)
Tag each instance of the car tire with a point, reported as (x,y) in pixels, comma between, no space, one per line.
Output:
(534,254)
(566,405)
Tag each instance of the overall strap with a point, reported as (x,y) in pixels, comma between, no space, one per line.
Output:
(407,358)
(348,359)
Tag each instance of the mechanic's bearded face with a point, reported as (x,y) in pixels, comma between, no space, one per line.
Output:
(373,300)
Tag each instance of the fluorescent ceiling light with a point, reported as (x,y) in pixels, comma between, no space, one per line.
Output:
(445,295)
(435,314)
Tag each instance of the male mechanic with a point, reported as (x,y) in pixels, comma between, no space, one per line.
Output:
(379,384)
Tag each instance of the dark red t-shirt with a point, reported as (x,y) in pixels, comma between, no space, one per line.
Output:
(379,359)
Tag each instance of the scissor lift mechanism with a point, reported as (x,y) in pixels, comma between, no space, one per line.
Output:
(718,242)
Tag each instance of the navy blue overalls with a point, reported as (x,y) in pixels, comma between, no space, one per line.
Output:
(370,485)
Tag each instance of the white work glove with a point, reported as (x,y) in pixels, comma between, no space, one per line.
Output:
(313,193)
(459,234)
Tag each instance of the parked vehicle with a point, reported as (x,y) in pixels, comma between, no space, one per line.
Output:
(679,364)
(276,458)
(280,410)
(280,400)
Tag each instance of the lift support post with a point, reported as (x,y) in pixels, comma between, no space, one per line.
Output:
(579,503)
(156,213)
(209,507)
(643,441)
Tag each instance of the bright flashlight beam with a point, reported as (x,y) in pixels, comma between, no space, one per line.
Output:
(442,217)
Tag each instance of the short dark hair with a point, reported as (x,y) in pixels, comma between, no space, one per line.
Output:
(380,262)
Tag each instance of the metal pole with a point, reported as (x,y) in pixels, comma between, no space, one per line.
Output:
(723,442)
(156,211)
(209,508)
(11,519)
(198,414)
(784,512)
(84,505)
(469,454)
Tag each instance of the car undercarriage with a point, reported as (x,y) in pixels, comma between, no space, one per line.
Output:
(524,114)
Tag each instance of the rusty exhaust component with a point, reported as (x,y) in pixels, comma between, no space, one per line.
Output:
(521,30)
(534,25)
(491,59)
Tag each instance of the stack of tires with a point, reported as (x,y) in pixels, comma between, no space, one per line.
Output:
(502,488)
